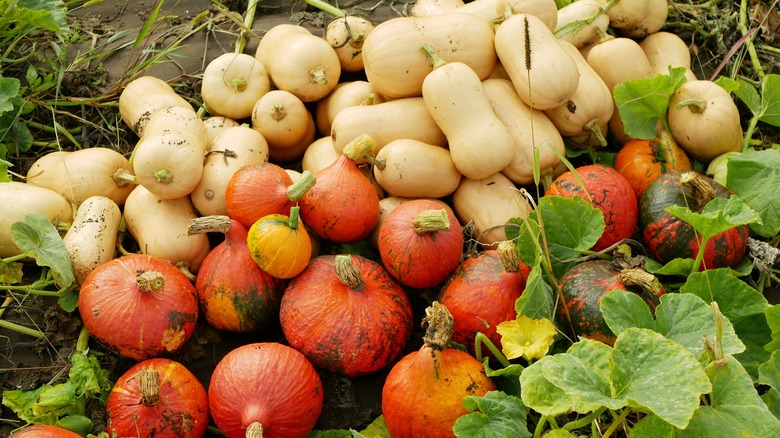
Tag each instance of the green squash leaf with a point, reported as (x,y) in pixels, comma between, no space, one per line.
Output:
(770,99)
(542,396)
(755,334)
(754,176)
(81,424)
(687,320)
(772,314)
(735,407)
(525,235)
(580,381)
(718,215)
(38,238)
(9,94)
(683,318)
(571,222)
(736,299)
(623,310)
(652,426)
(507,379)
(769,374)
(493,415)
(643,102)
(538,298)
(11,273)
(655,373)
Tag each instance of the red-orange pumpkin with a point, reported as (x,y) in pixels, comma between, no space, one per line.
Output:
(643,161)
(346,314)
(482,291)
(140,306)
(257,190)
(420,243)
(266,390)
(158,397)
(234,293)
(608,191)
(342,206)
(423,393)
(44,431)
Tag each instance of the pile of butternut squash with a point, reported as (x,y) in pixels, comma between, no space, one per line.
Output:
(460,100)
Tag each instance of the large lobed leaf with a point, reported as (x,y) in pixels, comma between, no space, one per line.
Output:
(644,370)
(754,176)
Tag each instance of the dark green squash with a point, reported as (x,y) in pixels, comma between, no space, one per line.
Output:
(668,237)
(583,287)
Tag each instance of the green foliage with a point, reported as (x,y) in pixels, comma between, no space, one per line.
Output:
(643,102)
(63,404)
(754,176)
(38,238)
(494,415)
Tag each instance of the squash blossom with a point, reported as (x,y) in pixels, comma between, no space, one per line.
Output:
(526,337)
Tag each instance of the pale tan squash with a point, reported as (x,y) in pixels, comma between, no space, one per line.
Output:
(159,227)
(20,199)
(488,204)
(413,169)
(530,129)
(345,95)
(232,83)
(144,96)
(83,173)
(91,239)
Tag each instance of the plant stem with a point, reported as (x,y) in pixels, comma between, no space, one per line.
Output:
(751,127)
(540,426)
(584,421)
(430,52)
(15,258)
(21,329)
(294,213)
(82,343)
(249,18)
(52,129)
(615,424)
(480,339)
(326,7)
(699,255)
(750,47)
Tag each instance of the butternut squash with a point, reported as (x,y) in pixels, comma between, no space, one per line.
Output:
(282,118)
(479,142)
(169,163)
(216,124)
(488,204)
(303,64)
(345,95)
(272,37)
(411,168)
(91,238)
(232,83)
(581,22)
(396,67)
(530,129)
(83,173)
(585,116)
(633,65)
(18,200)
(494,11)
(666,49)
(346,35)
(544,75)
(637,18)
(144,96)
(159,227)
(425,8)
(385,122)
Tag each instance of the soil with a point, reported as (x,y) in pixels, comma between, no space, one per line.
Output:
(112,24)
